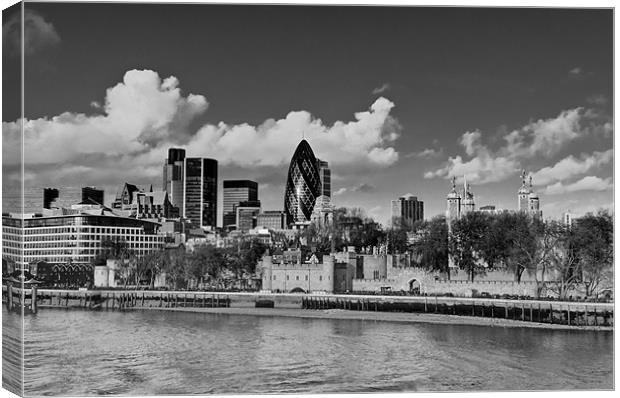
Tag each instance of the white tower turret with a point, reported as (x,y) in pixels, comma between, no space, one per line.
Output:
(523,194)
(453,200)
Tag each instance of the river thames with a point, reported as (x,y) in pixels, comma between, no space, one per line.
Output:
(76,352)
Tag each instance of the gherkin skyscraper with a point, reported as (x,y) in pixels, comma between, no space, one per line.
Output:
(303,185)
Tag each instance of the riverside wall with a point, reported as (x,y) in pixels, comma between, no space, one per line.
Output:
(571,314)
(496,282)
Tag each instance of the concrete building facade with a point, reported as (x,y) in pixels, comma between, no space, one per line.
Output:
(271,219)
(406,210)
(73,238)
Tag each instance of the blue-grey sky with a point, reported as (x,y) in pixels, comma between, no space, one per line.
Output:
(397,99)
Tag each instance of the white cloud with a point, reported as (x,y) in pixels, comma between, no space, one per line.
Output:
(541,138)
(572,166)
(597,99)
(340,191)
(381,89)
(589,183)
(482,169)
(575,71)
(426,153)
(38,33)
(359,142)
(144,115)
(545,136)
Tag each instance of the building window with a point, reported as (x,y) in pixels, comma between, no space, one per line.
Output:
(286,277)
(320,277)
(306,277)
(297,277)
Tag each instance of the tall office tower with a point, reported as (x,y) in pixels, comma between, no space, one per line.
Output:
(407,210)
(246,214)
(92,196)
(173,177)
(303,185)
(49,197)
(200,192)
(235,192)
(326,178)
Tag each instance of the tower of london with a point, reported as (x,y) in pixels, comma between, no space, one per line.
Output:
(462,201)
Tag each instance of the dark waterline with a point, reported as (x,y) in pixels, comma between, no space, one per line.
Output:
(74,352)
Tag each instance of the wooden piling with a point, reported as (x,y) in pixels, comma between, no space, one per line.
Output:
(9,292)
(568,314)
(33,299)
(550,313)
(595,316)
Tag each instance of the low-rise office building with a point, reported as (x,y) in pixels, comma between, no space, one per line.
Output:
(76,238)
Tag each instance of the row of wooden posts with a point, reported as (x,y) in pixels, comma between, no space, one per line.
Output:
(523,311)
(32,299)
(580,315)
(21,299)
(125,300)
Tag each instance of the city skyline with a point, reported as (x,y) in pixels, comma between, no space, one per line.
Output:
(419,111)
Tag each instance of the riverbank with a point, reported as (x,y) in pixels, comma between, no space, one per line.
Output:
(379,317)
(441,310)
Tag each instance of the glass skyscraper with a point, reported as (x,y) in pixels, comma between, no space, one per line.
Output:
(303,185)
(326,178)
(173,177)
(235,192)
(200,192)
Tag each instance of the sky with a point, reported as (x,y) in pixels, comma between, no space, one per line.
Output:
(397,99)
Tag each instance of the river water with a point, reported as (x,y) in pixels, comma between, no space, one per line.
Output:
(78,352)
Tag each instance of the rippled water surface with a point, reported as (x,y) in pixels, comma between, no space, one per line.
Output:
(74,352)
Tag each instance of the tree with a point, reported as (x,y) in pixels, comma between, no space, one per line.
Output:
(563,260)
(119,250)
(468,242)
(431,244)
(512,242)
(593,240)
